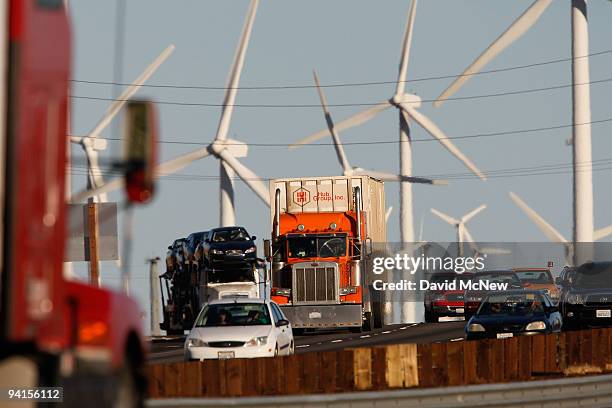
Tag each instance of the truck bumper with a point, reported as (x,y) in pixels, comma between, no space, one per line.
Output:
(323,316)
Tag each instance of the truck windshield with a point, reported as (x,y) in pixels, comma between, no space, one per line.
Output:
(317,247)
(231,275)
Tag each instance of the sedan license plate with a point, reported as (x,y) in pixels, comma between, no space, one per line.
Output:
(603,313)
(225,355)
(504,335)
(459,310)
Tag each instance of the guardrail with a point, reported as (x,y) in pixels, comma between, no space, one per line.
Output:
(591,391)
(389,367)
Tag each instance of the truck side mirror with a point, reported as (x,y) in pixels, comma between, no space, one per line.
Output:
(253,237)
(267,249)
(140,151)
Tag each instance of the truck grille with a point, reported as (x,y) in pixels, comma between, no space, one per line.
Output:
(315,284)
(455,297)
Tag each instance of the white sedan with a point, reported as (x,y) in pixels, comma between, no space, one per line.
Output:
(239,328)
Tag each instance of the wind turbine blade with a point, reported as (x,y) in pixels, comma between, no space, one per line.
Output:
(116,106)
(470,239)
(548,230)
(437,133)
(405,58)
(353,121)
(388,214)
(111,186)
(445,217)
(169,167)
(249,177)
(235,71)
(472,213)
(513,33)
(178,163)
(346,167)
(396,177)
(602,233)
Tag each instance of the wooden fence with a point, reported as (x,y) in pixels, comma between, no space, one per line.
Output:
(389,367)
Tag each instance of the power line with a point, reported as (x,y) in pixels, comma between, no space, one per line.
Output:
(376,142)
(351,84)
(546,169)
(352,104)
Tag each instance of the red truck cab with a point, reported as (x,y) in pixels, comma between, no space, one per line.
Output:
(68,334)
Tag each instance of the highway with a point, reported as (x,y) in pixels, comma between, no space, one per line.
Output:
(171,350)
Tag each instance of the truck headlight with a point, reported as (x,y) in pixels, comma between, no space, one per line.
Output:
(575,299)
(257,341)
(250,250)
(439,298)
(195,342)
(539,325)
(217,251)
(475,327)
(473,298)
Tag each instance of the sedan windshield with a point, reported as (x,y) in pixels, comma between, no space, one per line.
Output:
(542,277)
(317,246)
(528,304)
(509,278)
(237,234)
(594,277)
(234,314)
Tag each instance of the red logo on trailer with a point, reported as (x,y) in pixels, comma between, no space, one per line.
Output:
(301,196)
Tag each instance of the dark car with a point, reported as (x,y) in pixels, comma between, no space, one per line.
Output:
(175,255)
(444,303)
(192,241)
(474,296)
(229,246)
(587,300)
(513,313)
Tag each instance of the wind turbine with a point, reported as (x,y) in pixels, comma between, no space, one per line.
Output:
(552,233)
(91,143)
(407,105)
(224,149)
(347,170)
(581,108)
(459,224)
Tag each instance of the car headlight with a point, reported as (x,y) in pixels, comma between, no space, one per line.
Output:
(195,342)
(539,325)
(217,251)
(475,327)
(575,299)
(257,341)
(250,250)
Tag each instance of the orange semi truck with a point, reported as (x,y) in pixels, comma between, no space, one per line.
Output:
(323,231)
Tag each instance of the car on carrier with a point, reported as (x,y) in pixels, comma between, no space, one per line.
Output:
(239,328)
(175,255)
(587,301)
(228,246)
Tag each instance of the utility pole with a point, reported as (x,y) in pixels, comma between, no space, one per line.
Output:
(92,224)
(154,288)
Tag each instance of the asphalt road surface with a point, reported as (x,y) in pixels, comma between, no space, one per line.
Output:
(171,350)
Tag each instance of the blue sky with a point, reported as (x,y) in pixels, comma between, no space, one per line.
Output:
(350,41)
